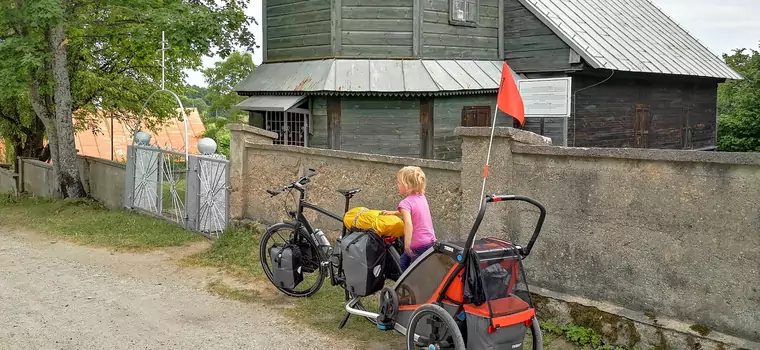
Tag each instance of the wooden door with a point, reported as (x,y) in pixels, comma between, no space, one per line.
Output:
(641,126)
(686,129)
(476,116)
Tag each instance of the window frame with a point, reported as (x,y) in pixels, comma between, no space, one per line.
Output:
(465,22)
(475,110)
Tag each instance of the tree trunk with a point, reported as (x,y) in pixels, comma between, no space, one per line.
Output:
(70,181)
(40,107)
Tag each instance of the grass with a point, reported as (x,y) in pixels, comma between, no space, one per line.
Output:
(236,252)
(87,222)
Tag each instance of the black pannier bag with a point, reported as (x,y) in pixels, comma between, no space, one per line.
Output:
(363,259)
(286,265)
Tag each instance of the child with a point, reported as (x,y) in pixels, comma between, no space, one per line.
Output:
(418,224)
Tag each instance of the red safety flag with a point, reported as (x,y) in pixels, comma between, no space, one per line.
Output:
(509,100)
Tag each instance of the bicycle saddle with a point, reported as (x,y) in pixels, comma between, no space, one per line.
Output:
(350,192)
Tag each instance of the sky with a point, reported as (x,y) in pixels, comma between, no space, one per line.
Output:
(721,25)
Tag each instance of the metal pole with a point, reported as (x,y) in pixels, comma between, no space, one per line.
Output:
(163,57)
(112,137)
(488,157)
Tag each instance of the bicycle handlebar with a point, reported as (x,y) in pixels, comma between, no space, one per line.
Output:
(299,184)
(499,198)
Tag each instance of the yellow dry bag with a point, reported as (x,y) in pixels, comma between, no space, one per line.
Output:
(366,219)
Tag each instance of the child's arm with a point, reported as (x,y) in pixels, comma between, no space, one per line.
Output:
(407,216)
(390,212)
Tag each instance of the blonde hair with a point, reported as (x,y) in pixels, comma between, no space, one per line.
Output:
(413,178)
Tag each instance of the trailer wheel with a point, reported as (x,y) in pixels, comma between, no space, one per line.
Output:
(538,337)
(443,332)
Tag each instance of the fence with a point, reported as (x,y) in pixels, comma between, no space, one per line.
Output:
(192,192)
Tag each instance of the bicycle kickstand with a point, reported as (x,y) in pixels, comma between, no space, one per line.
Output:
(345,320)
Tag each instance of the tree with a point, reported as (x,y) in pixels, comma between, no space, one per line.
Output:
(221,79)
(87,58)
(195,97)
(739,104)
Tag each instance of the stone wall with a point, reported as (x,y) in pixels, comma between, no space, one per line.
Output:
(271,166)
(37,178)
(671,233)
(7,181)
(668,234)
(103,180)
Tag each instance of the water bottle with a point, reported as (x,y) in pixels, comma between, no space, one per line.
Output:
(322,242)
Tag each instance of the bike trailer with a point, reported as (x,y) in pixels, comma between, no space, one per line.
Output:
(286,263)
(363,258)
(495,316)
(361,218)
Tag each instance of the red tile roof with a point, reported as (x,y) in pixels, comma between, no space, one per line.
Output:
(170,136)
(98,144)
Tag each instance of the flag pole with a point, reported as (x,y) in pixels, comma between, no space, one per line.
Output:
(488,157)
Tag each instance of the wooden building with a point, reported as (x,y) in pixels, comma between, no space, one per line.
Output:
(396,77)
(392,77)
(639,79)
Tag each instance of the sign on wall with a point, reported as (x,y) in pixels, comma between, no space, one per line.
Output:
(545,97)
(547,106)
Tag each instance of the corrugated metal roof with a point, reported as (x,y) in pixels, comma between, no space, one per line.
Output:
(628,35)
(381,76)
(270,103)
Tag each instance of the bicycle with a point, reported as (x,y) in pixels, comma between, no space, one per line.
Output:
(316,250)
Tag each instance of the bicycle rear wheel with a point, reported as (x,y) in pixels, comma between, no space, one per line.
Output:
(313,272)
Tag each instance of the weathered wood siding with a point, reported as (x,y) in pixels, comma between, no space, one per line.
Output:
(443,40)
(297,29)
(549,127)
(447,115)
(376,28)
(381,125)
(530,45)
(674,114)
(318,135)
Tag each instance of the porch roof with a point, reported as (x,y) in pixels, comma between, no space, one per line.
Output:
(374,76)
(270,103)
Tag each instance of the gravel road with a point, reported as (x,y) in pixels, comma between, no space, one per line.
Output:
(56,295)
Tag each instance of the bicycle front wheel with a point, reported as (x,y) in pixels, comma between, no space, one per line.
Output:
(311,261)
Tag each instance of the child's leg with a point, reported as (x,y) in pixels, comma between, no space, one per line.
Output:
(405,261)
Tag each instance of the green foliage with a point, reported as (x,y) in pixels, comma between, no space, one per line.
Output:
(221,79)
(114,57)
(221,110)
(195,97)
(216,129)
(739,104)
(701,329)
(584,337)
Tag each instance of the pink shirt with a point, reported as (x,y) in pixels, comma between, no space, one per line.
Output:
(422,224)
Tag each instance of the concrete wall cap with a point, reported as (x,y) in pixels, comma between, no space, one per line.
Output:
(734,158)
(252,130)
(402,161)
(521,136)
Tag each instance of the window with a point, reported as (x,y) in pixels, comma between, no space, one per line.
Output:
(291,127)
(476,116)
(463,12)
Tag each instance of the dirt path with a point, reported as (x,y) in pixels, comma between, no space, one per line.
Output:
(57,295)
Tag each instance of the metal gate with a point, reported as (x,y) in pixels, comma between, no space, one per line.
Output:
(192,194)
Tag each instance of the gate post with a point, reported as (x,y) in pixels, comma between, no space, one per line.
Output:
(129,178)
(192,193)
